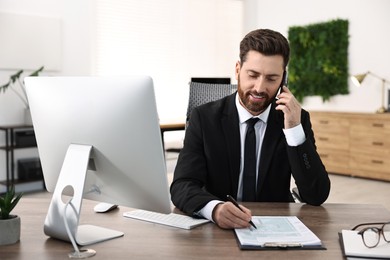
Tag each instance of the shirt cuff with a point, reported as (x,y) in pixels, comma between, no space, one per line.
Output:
(295,136)
(207,211)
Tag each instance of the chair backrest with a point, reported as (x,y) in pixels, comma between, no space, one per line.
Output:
(202,93)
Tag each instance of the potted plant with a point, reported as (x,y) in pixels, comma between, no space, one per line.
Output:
(16,78)
(9,224)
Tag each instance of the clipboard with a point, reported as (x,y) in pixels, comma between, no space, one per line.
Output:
(277,233)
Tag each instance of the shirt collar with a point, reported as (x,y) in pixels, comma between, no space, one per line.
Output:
(244,115)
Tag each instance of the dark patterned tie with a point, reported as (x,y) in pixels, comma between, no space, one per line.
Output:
(249,174)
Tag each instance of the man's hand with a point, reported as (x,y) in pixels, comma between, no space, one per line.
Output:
(290,107)
(228,216)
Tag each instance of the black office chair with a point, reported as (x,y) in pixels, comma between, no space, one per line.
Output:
(202,93)
(295,194)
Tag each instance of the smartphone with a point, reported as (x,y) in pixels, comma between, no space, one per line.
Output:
(285,79)
(283,83)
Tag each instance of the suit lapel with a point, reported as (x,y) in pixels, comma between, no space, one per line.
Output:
(230,126)
(272,135)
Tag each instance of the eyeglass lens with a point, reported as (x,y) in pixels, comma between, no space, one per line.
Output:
(386,232)
(371,235)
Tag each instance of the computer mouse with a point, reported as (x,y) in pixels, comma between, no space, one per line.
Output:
(104,207)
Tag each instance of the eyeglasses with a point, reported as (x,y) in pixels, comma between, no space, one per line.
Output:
(372,235)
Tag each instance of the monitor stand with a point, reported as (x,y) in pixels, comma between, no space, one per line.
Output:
(72,176)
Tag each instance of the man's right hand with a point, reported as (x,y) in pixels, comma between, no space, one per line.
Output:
(228,216)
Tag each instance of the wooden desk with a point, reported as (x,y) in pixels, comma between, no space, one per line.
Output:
(172,127)
(143,240)
(164,127)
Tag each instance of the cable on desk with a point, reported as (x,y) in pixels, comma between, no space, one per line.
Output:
(84,253)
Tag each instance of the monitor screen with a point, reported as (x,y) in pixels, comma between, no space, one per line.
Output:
(118,118)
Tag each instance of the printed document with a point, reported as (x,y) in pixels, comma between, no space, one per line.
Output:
(279,232)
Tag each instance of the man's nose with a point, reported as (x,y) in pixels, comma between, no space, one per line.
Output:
(259,84)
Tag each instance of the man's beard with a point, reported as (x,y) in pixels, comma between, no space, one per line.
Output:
(255,107)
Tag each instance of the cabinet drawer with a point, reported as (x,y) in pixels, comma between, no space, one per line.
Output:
(336,161)
(370,165)
(370,136)
(379,127)
(329,124)
(331,140)
(369,143)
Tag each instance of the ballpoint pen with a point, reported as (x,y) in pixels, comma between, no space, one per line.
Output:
(232,200)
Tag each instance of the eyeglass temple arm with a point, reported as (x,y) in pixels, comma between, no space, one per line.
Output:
(366,224)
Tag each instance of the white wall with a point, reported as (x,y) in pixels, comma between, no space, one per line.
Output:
(368,47)
(171,41)
(75,19)
(79,52)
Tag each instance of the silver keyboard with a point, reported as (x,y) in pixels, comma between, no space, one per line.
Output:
(172,219)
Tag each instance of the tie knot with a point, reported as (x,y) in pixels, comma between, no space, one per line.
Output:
(252,121)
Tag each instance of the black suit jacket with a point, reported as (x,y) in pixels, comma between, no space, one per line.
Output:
(209,164)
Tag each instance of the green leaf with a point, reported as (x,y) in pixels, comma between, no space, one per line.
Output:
(8,202)
(36,73)
(5,86)
(16,76)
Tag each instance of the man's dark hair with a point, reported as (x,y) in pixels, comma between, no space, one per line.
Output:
(267,42)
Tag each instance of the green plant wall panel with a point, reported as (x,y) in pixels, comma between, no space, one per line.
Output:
(319,59)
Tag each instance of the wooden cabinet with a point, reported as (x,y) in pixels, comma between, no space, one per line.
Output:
(332,139)
(356,144)
(370,147)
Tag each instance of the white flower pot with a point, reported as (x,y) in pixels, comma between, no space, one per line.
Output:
(9,230)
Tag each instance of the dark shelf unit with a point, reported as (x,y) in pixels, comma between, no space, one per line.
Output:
(9,149)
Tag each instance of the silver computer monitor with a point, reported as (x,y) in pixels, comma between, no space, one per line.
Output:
(98,138)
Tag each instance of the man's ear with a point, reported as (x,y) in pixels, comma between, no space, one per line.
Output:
(238,68)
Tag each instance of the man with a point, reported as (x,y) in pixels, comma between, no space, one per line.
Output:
(211,163)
